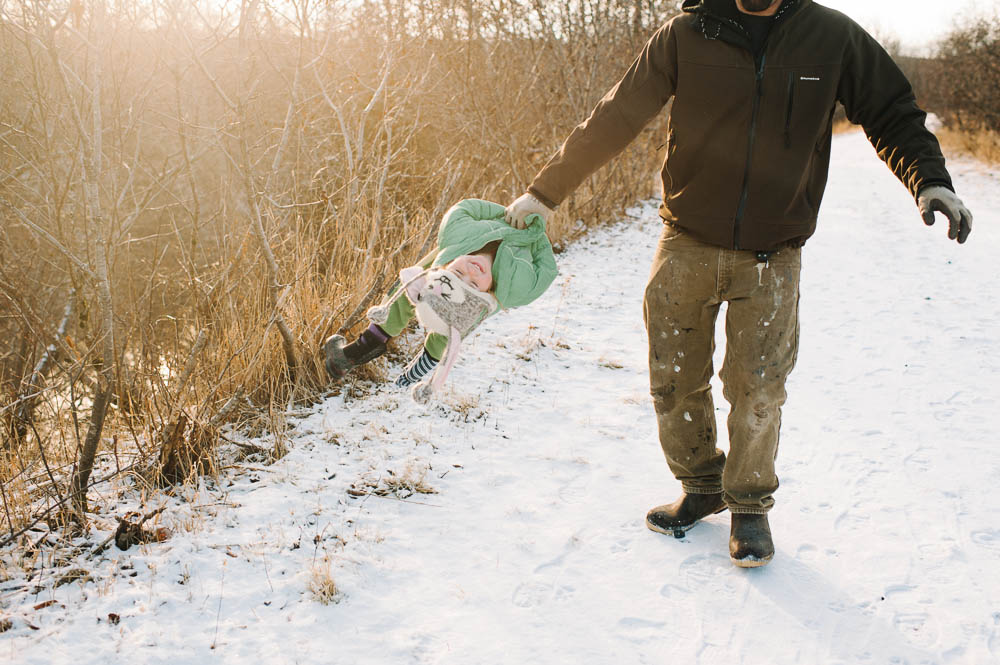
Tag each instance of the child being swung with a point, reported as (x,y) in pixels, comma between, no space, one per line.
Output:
(480,265)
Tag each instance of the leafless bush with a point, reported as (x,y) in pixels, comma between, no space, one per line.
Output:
(194,194)
(969,74)
(962,85)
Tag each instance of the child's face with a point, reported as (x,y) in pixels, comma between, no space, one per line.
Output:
(475,270)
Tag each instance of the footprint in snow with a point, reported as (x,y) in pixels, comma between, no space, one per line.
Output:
(919,460)
(575,490)
(712,574)
(940,552)
(672,591)
(944,415)
(988,538)
(642,630)
(534,593)
(850,522)
(557,562)
(916,627)
(531,594)
(994,643)
(621,545)
(897,589)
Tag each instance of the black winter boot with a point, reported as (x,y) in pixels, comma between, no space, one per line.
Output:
(750,544)
(676,518)
(342,357)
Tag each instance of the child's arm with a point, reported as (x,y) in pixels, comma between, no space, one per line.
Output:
(530,267)
(544,262)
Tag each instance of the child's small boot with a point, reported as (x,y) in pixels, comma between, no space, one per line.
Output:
(342,357)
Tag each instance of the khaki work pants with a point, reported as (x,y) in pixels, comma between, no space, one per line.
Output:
(688,282)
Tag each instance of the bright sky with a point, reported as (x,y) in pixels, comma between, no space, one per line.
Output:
(916,23)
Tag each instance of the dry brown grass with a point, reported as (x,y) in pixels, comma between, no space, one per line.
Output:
(322,586)
(402,484)
(983,144)
(244,174)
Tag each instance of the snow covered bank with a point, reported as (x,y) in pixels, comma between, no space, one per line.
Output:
(544,460)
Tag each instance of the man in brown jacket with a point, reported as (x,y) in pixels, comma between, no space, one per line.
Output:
(754,85)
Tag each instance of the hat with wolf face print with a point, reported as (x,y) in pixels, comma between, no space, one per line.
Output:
(442,300)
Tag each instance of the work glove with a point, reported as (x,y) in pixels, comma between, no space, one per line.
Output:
(526,204)
(941,199)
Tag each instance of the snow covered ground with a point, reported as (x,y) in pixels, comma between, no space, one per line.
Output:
(544,460)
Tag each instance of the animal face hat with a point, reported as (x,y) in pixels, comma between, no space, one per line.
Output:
(444,304)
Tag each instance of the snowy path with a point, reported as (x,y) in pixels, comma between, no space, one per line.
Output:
(545,461)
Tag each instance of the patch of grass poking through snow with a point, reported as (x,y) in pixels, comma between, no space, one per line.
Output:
(610,364)
(411,481)
(527,346)
(390,404)
(464,405)
(400,484)
(322,585)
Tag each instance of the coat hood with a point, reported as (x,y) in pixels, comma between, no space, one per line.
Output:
(723,6)
(524,265)
(720,19)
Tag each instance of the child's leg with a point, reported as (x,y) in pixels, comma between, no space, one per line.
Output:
(423,362)
(401,311)
(341,357)
(368,346)
(423,391)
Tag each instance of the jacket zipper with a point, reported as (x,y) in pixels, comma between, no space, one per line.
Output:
(758,93)
(788,110)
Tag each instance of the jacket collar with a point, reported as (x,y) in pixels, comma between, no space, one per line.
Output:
(729,6)
(720,19)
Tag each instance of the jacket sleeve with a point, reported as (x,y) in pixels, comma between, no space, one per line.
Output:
(544,265)
(617,119)
(525,265)
(877,96)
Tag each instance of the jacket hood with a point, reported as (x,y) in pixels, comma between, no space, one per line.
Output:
(720,19)
(727,8)
(722,6)
(524,265)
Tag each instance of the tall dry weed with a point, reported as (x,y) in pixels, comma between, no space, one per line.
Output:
(244,174)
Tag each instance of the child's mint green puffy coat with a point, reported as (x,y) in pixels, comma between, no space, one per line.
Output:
(524,266)
(523,269)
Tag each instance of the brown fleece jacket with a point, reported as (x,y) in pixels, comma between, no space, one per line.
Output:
(748,142)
